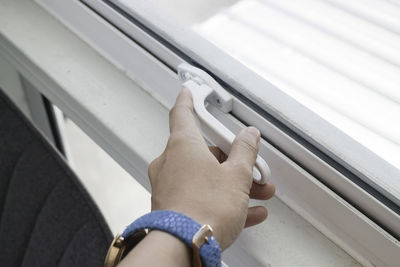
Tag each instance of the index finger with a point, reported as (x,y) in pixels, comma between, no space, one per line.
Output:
(181,118)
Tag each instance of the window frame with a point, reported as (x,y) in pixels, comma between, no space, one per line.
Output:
(276,108)
(341,222)
(371,172)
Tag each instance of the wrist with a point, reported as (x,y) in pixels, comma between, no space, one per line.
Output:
(200,239)
(203,217)
(164,248)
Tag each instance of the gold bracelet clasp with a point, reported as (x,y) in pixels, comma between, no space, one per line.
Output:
(204,233)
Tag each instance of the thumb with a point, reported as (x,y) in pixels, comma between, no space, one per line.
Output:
(244,148)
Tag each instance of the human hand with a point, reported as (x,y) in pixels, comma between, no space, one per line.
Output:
(205,184)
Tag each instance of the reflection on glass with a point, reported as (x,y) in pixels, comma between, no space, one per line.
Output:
(339,60)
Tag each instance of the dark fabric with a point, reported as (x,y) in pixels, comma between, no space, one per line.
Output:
(46,216)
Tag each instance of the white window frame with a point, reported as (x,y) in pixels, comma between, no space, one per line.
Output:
(370,168)
(329,213)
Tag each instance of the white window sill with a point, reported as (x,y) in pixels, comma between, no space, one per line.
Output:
(133,127)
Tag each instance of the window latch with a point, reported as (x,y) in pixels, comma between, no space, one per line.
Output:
(205,89)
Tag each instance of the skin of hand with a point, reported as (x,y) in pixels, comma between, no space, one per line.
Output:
(202,182)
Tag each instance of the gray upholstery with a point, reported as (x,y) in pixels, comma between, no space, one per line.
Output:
(46,216)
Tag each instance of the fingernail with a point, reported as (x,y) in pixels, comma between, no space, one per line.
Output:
(255,132)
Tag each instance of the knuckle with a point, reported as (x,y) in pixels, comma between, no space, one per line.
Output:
(183,138)
(248,145)
(242,169)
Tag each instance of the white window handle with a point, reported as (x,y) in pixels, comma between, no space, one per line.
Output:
(204,88)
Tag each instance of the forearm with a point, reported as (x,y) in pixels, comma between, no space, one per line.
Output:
(158,249)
